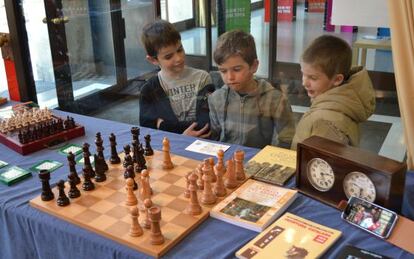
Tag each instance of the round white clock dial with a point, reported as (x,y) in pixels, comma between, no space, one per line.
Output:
(320,174)
(359,185)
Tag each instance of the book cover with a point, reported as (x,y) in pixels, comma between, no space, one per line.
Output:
(272,165)
(254,205)
(291,236)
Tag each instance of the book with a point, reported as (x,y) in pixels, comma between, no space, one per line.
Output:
(254,205)
(13,174)
(291,236)
(352,252)
(272,165)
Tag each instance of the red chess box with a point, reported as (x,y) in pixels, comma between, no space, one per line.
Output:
(12,141)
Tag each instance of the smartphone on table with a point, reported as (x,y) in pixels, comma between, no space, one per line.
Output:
(370,217)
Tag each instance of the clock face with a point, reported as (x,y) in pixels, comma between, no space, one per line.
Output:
(359,185)
(320,174)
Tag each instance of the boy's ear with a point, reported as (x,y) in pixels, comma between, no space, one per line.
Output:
(338,79)
(152,60)
(254,66)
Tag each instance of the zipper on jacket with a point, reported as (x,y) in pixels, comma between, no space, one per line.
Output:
(241,127)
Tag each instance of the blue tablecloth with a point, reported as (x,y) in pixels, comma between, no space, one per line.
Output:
(26,232)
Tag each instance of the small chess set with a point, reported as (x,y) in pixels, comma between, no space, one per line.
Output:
(29,130)
(145,199)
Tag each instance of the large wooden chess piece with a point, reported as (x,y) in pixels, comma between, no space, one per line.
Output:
(47,193)
(220,161)
(239,160)
(114,154)
(135,147)
(135,230)
(87,166)
(72,168)
(200,182)
(145,191)
(129,173)
(99,150)
(146,204)
(154,214)
(135,134)
(141,162)
(99,169)
(231,180)
(73,191)
(148,149)
(87,184)
(219,188)
(131,198)
(166,163)
(187,182)
(62,199)
(208,197)
(213,176)
(127,158)
(193,207)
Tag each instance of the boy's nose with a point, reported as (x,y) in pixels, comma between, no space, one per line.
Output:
(230,76)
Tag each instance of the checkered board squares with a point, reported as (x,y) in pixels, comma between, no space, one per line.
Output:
(103,211)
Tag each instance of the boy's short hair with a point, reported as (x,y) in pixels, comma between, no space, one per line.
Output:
(331,54)
(236,42)
(157,35)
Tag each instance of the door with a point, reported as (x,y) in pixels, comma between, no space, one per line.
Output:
(78,49)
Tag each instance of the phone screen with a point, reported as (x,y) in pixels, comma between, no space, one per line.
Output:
(370,217)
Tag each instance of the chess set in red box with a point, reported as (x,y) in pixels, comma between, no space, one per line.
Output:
(33,130)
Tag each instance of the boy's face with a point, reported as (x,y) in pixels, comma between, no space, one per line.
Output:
(170,59)
(316,82)
(237,74)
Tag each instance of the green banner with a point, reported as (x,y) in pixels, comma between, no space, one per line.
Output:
(238,15)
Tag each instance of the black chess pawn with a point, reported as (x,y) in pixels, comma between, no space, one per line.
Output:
(114,154)
(87,185)
(73,191)
(62,200)
(148,149)
(129,173)
(99,169)
(47,193)
(72,168)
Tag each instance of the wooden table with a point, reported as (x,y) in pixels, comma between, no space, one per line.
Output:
(364,44)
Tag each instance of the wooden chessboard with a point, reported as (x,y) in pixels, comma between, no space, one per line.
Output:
(103,211)
(11,140)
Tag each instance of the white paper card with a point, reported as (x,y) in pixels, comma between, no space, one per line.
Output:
(207,148)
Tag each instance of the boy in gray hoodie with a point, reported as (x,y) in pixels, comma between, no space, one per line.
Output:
(246,110)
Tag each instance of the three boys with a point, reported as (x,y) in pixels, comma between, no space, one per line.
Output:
(246,110)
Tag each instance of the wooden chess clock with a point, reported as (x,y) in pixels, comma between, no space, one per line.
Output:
(332,172)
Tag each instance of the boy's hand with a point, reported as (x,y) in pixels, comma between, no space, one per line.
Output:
(159,121)
(202,133)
